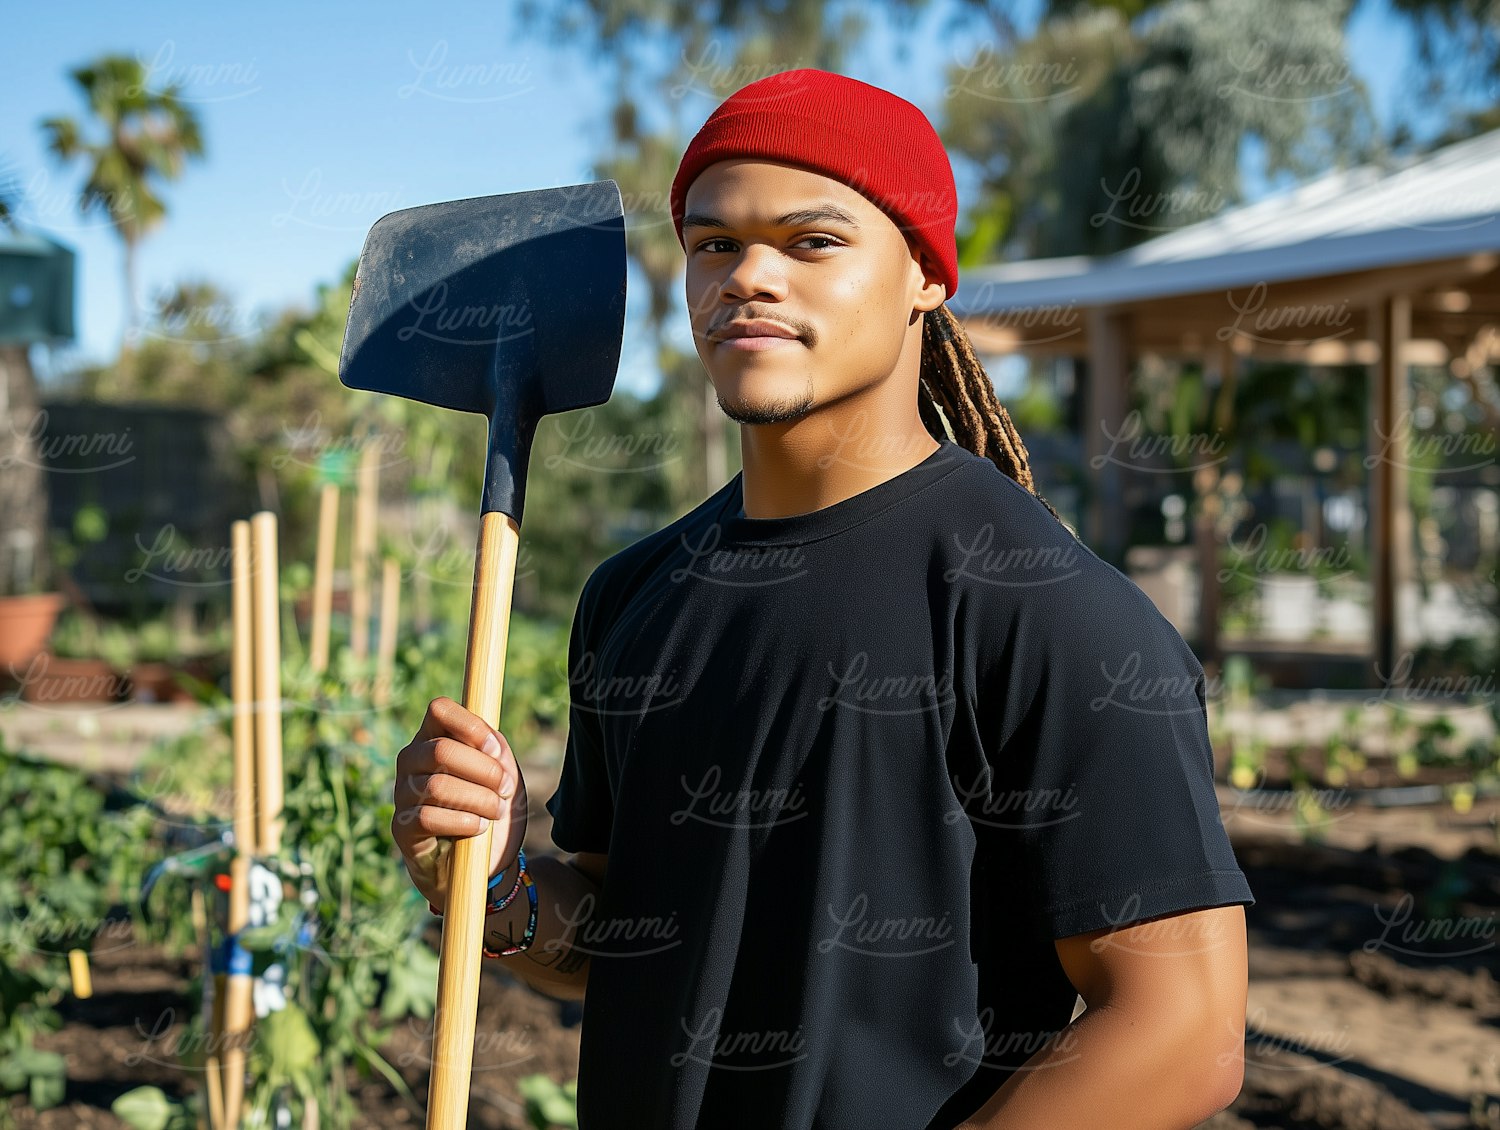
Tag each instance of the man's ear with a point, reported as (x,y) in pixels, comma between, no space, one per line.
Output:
(932,292)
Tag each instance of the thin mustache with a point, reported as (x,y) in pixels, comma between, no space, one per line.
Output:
(709,333)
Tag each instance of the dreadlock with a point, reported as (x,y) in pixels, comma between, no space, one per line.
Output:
(955,381)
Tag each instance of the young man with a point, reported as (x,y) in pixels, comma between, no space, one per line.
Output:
(888,769)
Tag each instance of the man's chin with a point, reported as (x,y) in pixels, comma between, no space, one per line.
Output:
(764,410)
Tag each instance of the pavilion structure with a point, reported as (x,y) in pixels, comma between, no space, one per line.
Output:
(1385,267)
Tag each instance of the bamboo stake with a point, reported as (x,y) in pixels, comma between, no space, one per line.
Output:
(213,1115)
(213,1078)
(78,970)
(322,606)
(265,606)
(238,1006)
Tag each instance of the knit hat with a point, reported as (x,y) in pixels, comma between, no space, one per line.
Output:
(875,142)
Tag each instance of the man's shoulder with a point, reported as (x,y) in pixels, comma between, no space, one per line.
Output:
(620,575)
(1011,546)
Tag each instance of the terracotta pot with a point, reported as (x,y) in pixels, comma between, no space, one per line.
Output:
(49,680)
(25,623)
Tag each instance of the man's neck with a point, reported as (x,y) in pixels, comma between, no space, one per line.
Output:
(787,472)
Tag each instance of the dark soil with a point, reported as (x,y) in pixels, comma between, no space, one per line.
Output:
(124,1036)
(1352,1025)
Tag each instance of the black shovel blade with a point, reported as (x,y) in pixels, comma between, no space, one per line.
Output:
(512,306)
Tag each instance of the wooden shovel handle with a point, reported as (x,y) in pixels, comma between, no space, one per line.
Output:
(463,917)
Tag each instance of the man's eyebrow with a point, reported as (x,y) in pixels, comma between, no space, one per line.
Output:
(802,216)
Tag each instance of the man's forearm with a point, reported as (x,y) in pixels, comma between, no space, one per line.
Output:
(550,964)
(1123,1069)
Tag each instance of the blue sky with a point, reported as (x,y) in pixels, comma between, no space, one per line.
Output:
(320,118)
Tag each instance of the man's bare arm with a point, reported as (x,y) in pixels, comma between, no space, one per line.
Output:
(567,894)
(1161,1044)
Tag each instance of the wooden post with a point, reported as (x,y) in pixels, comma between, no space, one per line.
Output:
(365,504)
(1387,462)
(1206,528)
(390,611)
(322,606)
(1105,397)
(213,1113)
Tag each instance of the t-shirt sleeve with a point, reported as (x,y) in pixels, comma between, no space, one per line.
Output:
(582,806)
(1113,812)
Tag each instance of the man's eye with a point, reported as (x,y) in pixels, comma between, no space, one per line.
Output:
(824,240)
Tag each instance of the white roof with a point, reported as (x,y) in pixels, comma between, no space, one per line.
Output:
(1438,206)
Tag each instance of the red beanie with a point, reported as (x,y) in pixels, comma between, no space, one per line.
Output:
(875,142)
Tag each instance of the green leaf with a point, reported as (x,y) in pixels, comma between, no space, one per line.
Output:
(43,1074)
(258,939)
(145,1108)
(547,1103)
(48,1090)
(412,986)
(289,1041)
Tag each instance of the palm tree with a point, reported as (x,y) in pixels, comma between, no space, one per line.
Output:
(9,198)
(147,135)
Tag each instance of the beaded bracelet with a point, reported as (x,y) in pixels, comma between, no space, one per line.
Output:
(523,876)
(494,904)
(526,939)
(501,903)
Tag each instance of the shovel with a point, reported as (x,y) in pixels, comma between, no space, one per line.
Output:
(511,306)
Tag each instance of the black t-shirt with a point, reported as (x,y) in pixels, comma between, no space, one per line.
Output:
(855,770)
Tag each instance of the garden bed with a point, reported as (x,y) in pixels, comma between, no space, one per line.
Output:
(1342,1035)
(126,1034)
(1351,1024)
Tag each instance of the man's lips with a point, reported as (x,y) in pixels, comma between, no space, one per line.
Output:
(755,334)
(755,327)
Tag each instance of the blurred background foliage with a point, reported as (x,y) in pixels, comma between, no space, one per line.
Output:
(1046,110)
